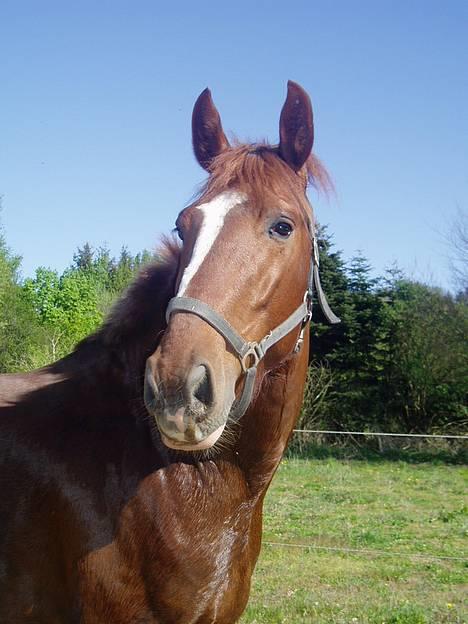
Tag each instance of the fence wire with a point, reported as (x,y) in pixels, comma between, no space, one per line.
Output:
(382,434)
(366,551)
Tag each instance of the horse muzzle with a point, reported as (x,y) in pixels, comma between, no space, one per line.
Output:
(186,408)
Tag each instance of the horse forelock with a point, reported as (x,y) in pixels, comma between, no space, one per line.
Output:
(252,168)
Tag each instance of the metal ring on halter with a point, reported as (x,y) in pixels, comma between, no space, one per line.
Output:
(254,352)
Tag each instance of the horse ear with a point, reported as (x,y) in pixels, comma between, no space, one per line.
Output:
(208,137)
(296,127)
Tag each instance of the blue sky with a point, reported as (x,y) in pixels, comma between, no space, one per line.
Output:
(96,101)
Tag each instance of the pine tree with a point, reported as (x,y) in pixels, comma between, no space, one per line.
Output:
(83,257)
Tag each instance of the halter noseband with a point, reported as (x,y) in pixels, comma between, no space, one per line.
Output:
(251,353)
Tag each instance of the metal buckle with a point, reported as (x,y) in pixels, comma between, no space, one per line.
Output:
(299,342)
(252,357)
(300,339)
(305,321)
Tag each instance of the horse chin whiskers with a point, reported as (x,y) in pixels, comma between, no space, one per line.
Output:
(224,443)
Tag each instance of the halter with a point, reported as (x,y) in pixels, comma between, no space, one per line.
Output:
(251,353)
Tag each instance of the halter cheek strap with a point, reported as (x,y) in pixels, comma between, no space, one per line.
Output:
(314,279)
(251,353)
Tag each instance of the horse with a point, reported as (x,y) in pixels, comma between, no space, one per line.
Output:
(133,471)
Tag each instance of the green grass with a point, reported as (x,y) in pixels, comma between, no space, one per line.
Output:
(390,506)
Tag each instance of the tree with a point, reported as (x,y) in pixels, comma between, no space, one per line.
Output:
(325,338)
(424,387)
(66,307)
(358,360)
(19,332)
(70,306)
(83,257)
(458,254)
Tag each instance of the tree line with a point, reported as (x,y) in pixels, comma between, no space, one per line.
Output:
(396,362)
(42,318)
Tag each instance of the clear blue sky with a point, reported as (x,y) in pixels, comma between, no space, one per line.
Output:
(96,100)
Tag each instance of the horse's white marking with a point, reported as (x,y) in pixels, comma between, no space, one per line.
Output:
(214,213)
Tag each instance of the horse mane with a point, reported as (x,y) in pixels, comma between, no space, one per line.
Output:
(142,306)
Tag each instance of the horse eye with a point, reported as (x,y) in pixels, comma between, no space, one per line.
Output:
(282,229)
(179,233)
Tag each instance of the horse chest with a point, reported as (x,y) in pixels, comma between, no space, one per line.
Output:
(175,558)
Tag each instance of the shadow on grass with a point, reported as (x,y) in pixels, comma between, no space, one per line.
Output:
(370,452)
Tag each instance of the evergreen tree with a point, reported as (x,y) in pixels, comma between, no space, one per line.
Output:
(350,352)
(125,270)
(357,361)
(83,258)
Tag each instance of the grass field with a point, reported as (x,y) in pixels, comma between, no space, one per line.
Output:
(390,506)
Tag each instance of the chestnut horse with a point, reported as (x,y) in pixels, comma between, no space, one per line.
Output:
(133,471)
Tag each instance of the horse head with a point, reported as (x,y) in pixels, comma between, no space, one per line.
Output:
(243,284)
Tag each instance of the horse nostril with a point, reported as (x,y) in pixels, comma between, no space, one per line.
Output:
(199,385)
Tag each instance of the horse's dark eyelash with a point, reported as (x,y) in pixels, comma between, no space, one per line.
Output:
(177,231)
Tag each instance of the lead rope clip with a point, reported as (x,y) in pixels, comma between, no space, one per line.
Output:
(305,322)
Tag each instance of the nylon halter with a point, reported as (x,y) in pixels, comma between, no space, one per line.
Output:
(250,353)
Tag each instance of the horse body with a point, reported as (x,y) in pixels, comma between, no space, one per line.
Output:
(113,506)
(92,492)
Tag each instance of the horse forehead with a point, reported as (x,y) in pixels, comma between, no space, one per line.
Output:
(217,208)
(214,213)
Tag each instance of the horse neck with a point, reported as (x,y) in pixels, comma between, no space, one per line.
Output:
(267,426)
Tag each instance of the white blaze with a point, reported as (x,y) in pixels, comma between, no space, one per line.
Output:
(214,213)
